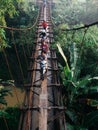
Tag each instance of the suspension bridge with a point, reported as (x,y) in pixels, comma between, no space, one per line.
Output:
(42,109)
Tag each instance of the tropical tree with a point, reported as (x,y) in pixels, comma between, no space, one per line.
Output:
(75,11)
(7,116)
(79,95)
(10,11)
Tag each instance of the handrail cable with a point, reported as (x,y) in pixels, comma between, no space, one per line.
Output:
(78,28)
(82,27)
(21,29)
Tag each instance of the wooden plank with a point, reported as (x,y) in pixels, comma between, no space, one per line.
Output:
(43,102)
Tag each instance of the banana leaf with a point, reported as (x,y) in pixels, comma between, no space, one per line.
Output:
(67,70)
(74,127)
(72,116)
(91,119)
(93,89)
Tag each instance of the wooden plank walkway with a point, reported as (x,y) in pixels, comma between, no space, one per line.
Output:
(43,100)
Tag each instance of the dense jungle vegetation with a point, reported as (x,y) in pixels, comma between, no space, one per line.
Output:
(14,43)
(79,69)
(79,62)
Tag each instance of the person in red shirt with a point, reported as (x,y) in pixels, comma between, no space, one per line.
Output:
(44,47)
(44,24)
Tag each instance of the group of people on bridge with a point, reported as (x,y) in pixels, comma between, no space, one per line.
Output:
(42,58)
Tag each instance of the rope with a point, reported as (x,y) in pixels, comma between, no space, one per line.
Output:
(21,29)
(83,27)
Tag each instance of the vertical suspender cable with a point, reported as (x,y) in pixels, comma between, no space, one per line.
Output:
(28,49)
(10,72)
(6,123)
(85,31)
(18,57)
(24,53)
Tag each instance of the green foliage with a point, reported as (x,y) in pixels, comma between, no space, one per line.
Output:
(7,7)
(2,39)
(8,116)
(76,90)
(22,40)
(4,91)
(75,11)
(14,13)
(10,10)
(91,119)
(71,127)
(80,48)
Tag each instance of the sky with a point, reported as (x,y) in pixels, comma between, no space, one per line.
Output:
(81,0)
